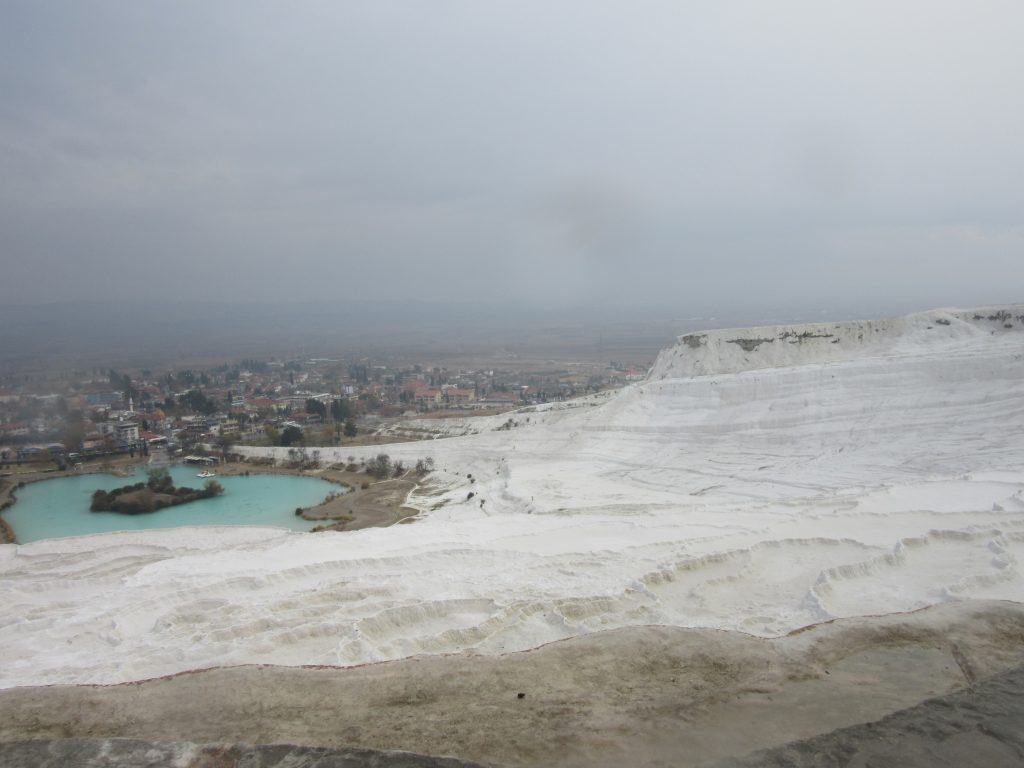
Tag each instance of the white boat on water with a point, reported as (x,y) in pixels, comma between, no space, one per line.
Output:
(206,473)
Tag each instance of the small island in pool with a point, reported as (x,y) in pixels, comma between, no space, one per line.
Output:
(158,492)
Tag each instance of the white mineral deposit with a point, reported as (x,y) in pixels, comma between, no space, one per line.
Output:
(759,479)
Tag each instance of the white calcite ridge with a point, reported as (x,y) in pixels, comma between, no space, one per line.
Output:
(758,480)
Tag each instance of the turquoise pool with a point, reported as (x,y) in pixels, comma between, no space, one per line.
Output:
(60,507)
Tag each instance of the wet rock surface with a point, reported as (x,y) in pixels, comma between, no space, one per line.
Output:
(137,753)
(980,726)
(644,697)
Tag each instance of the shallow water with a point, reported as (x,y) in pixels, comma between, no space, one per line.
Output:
(60,507)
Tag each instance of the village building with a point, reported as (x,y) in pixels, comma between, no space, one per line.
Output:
(499,398)
(127,432)
(457,396)
(428,397)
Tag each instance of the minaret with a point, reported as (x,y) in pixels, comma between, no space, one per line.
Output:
(131,405)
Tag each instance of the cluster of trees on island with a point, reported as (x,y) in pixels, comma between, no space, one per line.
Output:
(156,493)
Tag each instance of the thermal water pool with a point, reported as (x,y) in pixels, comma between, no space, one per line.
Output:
(60,507)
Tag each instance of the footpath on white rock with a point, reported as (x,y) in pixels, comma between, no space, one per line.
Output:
(758,480)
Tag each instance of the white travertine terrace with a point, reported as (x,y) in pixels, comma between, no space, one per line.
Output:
(758,480)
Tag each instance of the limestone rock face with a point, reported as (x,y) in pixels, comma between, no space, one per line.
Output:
(733,350)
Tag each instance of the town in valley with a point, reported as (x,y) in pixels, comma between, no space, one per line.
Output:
(68,418)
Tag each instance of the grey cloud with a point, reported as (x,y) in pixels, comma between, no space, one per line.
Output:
(679,153)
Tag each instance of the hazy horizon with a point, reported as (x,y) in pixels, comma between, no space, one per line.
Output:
(135,332)
(704,157)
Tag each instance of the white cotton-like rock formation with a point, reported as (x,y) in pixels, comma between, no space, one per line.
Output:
(777,346)
(758,480)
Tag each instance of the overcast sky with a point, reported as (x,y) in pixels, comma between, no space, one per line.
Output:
(694,154)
